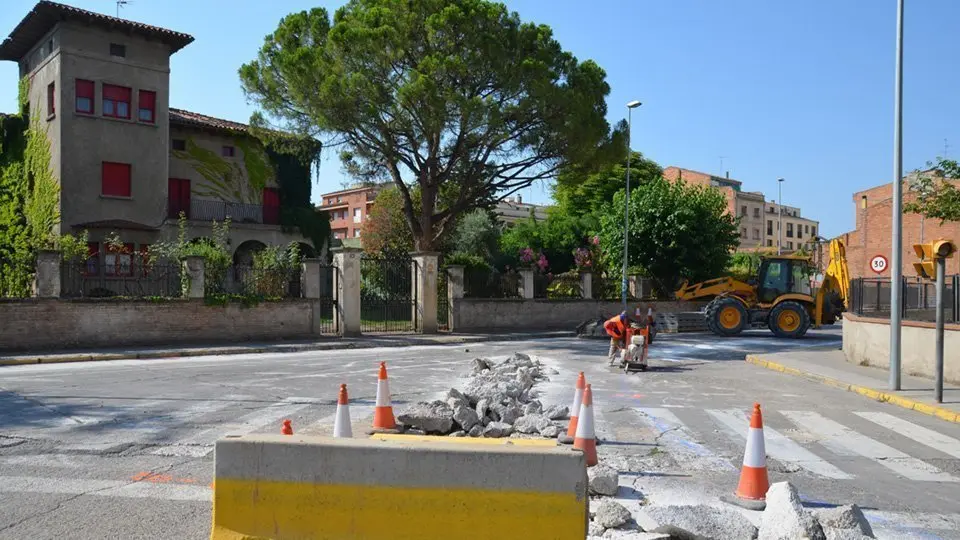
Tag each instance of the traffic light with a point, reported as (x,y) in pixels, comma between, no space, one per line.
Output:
(929,253)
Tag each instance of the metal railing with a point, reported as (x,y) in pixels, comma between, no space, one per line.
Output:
(91,279)
(204,210)
(483,283)
(870,297)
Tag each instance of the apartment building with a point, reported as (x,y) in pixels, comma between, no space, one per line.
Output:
(758,218)
(873,209)
(349,209)
(512,209)
(127,162)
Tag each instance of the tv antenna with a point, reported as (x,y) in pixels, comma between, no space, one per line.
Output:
(120,4)
(946,148)
(721,163)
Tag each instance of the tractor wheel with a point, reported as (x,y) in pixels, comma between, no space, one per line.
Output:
(789,320)
(726,316)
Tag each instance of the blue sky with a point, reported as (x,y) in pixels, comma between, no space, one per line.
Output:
(802,90)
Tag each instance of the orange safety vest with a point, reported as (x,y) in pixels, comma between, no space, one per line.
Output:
(615,327)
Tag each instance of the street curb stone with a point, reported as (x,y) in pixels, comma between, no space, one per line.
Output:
(368,343)
(872,393)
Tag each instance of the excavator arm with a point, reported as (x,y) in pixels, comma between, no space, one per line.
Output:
(836,281)
(713,288)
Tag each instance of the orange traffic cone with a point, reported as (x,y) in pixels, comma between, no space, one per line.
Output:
(586,438)
(754,483)
(341,424)
(574,411)
(383,413)
(286,429)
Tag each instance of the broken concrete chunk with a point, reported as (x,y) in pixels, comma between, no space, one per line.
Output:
(848,517)
(529,423)
(696,522)
(479,365)
(497,429)
(594,529)
(433,417)
(604,480)
(785,518)
(457,398)
(508,414)
(551,431)
(534,407)
(557,412)
(460,433)
(483,405)
(611,514)
(476,430)
(465,417)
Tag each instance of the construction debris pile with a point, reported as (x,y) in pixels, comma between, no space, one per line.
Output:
(498,400)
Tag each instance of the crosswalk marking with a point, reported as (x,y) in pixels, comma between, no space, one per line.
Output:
(104,488)
(933,439)
(673,434)
(201,444)
(839,437)
(777,445)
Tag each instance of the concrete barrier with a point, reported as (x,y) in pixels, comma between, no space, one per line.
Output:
(280,487)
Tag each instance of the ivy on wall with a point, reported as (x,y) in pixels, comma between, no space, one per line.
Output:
(29,197)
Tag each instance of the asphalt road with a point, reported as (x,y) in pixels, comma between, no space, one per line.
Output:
(124,449)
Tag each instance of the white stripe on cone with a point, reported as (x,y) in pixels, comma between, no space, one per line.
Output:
(383,393)
(755,454)
(577,401)
(341,425)
(585,423)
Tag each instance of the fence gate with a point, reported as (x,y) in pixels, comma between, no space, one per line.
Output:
(388,297)
(329,277)
(443,304)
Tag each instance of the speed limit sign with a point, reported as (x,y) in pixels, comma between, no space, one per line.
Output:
(878,264)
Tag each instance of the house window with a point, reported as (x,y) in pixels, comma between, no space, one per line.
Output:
(271,206)
(91,266)
(756,234)
(179,145)
(339,199)
(799,231)
(51,99)
(356,215)
(115,179)
(743,233)
(743,210)
(789,245)
(147,104)
(807,228)
(116,101)
(769,243)
(117,49)
(769,226)
(756,211)
(178,197)
(84,96)
(789,230)
(227,151)
(118,261)
(813,231)
(356,233)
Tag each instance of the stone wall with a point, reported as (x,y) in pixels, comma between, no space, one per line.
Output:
(866,341)
(41,324)
(477,314)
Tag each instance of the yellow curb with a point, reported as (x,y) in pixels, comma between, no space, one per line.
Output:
(462,440)
(877,395)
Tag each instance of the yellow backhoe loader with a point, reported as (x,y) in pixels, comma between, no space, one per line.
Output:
(782,297)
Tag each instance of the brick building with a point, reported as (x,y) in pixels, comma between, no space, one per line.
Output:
(873,209)
(126,161)
(759,219)
(348,210)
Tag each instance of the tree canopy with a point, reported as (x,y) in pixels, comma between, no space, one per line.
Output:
(585,193)
(458,98)
(676,232)
(937,197)
(384,231)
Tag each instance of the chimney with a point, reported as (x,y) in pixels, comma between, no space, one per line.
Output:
(728,175)
(519,199)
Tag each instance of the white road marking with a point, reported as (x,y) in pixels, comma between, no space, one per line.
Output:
(673,434)
(929,437)
(104,488)
(839,436)
(913,520)
(201,444)
(777,445)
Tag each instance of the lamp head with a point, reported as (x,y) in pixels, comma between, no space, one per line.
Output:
(633,104)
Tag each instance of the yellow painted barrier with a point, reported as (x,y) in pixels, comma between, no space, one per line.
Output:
(543,443)
(281,487)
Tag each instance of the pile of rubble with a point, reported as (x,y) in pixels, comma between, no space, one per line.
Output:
(784,518)
(498,400)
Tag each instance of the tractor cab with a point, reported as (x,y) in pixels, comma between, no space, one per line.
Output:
(782,275)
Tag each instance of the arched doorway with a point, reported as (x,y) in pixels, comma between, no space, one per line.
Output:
(243,256)
(306,250)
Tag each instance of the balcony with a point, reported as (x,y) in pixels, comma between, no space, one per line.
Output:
(201,210)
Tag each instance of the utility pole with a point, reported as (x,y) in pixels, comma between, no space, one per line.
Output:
(896,255)
(626,204)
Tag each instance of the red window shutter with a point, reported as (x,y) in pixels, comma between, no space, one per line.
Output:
(116,179)
(116,93)
(148,110)
(85,92)
(178,197)
(271,206)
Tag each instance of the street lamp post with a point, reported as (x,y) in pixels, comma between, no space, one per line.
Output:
(626,205)
(779,216)
(896,254)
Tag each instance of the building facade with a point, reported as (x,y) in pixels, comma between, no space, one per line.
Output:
(759,219)
(127,162)
(348,210)
(873,209)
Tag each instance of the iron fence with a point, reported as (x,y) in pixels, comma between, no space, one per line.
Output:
(202,210)
(92,279)
(488,283)
(443,302)
(563,286)
(388,297)
(329,276)
(249,280)
(870,297)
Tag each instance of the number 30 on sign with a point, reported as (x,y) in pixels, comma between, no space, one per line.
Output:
(878,264)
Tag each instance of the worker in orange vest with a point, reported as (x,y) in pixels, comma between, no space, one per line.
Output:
(616,328)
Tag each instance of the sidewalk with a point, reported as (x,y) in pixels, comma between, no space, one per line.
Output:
(321,344)
(831,368)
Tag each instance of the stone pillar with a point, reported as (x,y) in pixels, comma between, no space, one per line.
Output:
(46,283)
(347,290)
(634,286)
(586,285)
(193,267)
(455,277)
(310,278)
(424,268)
(526,284)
